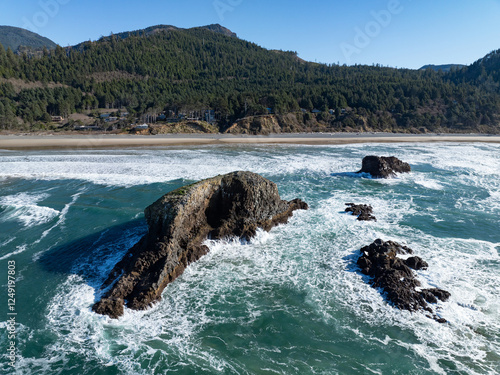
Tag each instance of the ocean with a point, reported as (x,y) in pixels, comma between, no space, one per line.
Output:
(291,301)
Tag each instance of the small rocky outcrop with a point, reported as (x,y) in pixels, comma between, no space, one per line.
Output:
(383,166)
(235,204)
(362,211)
(395,278)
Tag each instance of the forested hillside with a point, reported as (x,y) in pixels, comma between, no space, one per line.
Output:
(484,73)
(180,70)
(21,40)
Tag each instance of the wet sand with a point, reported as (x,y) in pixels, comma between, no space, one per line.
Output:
(17,142)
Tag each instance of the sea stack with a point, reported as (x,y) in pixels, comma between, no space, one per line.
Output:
(395,278)
(383,166)
(235,204)
(362,211)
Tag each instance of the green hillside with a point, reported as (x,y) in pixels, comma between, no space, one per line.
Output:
(171,70)
(15,37)
(485,72)
(158,29)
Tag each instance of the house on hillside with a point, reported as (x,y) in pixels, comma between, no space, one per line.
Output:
(57,118)
(210,116)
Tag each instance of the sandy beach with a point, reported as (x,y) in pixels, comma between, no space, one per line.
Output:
(24,141)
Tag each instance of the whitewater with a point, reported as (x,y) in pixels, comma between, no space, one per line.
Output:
(291,301)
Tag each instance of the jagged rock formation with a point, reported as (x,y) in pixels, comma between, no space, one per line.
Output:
(362,211)
(383,166)
(235,204)
(395,276)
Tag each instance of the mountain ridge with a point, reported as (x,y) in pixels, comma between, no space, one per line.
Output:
(151,30)
(484,71)
(16,38)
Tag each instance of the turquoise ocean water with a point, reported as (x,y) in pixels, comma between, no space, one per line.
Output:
(288,302)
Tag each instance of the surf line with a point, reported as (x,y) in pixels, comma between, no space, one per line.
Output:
(61,220)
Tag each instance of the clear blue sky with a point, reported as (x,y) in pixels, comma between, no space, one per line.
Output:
(402,33)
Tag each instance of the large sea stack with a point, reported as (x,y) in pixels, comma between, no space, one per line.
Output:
(235,204)
(383,166)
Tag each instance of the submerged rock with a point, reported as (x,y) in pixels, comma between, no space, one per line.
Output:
(394,276)
(383,166)
(362,211)
(235,204)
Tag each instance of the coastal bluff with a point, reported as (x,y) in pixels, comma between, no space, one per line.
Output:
(231,205)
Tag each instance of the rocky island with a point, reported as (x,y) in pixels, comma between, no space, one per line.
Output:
(362,211)
(235,204)
(395,278)
(383,166)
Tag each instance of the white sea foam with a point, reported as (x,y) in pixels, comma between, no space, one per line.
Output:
(160,165)
(23,207)
(146,166)
(493,200)
(60,221)
(8,241)
(19,250)
(430,184)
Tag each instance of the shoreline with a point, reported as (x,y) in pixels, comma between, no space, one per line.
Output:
(33,142)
